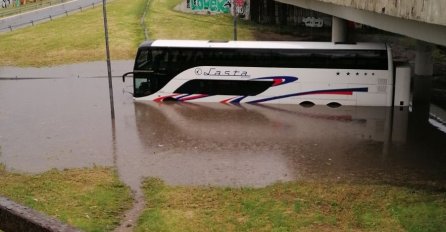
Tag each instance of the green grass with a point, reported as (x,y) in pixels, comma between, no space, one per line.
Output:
(76,38)
(80,36)
(165,23)
(90,199)
(295,206)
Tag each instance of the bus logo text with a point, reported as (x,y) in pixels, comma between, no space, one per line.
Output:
(217,72)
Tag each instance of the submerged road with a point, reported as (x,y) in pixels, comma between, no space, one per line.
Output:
(64,122)
(60,118)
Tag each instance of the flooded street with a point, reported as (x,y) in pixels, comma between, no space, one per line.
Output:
(64,122)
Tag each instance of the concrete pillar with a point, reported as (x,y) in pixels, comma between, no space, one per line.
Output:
(338,30)
(424,67)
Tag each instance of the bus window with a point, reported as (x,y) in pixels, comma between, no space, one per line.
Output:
(199,57)
(160,60)
(343,60)
(372,60)
(141,87)
(143,61)
(224,87)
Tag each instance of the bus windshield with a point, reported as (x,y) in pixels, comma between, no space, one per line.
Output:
(144,60)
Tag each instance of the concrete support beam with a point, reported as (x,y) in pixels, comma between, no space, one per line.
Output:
(338,30)
(432,33)
(428,11)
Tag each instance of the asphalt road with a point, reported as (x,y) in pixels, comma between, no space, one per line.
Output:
(44,14)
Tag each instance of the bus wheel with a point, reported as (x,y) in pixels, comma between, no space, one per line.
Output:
(334,104)
(307,104)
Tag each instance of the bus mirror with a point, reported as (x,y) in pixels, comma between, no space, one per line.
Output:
(126,74)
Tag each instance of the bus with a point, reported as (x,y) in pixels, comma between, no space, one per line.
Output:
(233,72)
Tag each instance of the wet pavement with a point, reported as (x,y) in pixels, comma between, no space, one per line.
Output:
(64,122)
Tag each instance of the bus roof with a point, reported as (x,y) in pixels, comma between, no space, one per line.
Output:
(262,44)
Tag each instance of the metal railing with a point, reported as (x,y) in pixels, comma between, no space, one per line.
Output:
(46,16)
(13,10)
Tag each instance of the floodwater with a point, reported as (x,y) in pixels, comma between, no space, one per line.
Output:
(64,122)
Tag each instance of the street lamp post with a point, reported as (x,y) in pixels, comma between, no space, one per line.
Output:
(110,85)
(235,19)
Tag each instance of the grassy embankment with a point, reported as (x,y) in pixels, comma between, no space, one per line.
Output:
(165,23)
(295,206)
(90,199)
(80,37)
(76,38)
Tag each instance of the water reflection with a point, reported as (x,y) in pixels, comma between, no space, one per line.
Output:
(260,144)
(65,123)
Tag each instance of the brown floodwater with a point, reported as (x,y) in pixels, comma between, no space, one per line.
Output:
(60,120)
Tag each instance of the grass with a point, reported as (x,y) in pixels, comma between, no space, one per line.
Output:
(80,37)
(165,23)
(294,206)
(89,199)
(76,38)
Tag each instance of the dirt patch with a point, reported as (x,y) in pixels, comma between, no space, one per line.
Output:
(128,224)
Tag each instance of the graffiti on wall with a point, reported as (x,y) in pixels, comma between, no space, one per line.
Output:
(220,6)
(217,6)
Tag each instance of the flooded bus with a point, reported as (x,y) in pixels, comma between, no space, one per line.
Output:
(321,73)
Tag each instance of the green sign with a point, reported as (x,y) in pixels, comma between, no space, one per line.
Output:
(220,6)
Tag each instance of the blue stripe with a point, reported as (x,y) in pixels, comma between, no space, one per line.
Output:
(183,96)
(310,92)
(237,100)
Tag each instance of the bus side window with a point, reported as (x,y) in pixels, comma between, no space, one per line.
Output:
(174,56)
(198,58)
(188,57)
(160,60)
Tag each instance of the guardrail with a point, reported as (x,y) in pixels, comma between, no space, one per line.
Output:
(15,217)
(13,10)
(45,14)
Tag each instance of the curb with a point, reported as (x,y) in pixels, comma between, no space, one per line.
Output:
(15,217)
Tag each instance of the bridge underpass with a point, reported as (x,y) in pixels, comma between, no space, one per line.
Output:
(421,20)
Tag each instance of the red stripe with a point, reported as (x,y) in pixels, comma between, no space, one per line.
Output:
(160,99)
(226,100)
(277,81)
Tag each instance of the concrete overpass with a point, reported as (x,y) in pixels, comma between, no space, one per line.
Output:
(419,19)
(423,20)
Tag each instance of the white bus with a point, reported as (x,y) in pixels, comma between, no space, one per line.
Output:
(233,72)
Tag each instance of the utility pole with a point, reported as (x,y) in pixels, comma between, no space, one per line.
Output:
(110,85)
(235,19)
